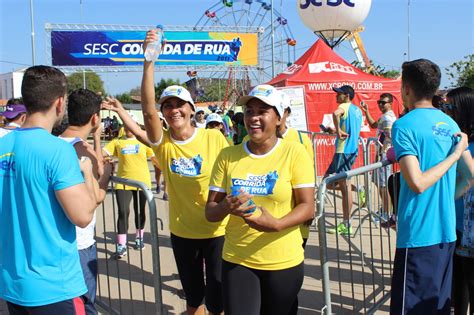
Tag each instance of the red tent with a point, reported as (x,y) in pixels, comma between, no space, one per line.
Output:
(320,69)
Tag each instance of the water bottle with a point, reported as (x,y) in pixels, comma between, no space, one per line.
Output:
(236,192)
(154,48)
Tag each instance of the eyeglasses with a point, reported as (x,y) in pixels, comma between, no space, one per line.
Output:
(383,102)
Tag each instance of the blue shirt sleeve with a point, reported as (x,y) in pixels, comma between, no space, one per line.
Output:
(65,171)
(403,142)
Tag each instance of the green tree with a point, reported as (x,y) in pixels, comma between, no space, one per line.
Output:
(461,73)
(124,98)
(213,90)
(163,84)
(394,74)
(378,70)
(93,82)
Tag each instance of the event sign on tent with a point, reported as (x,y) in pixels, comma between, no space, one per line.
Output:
(319,70)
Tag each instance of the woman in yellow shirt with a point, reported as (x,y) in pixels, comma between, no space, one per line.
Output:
(132,164)
(262,271)
(186,155)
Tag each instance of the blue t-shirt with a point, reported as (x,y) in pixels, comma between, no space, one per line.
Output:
(428,218)
(459,203)
(39,261)
(350,122)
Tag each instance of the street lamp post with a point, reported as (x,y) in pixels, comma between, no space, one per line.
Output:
(83,71)
(408,37)
(33,58)
(273,43)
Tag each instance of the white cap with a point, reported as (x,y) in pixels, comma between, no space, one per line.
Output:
(269,95)
(214,117)
(176,91)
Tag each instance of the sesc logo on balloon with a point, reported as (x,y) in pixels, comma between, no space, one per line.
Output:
(333,18)
(304,4)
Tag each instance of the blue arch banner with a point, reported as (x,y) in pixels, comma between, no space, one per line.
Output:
(116,48)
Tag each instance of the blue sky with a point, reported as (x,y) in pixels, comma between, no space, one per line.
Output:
(440,30)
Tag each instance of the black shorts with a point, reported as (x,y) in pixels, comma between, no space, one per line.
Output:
(422,280)
(70,307)
(192,257)
(393,185)
(260,292)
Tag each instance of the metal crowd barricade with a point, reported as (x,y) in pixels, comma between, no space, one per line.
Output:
(356,269)
(131,285)
(372,146)
(368,150)
(324,145)
(372,155)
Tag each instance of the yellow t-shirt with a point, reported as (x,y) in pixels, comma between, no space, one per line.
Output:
(292,134)
(132,160)
(270,178)
(187,166)
(341,143)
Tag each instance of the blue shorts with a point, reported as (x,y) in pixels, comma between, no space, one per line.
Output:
(88,257)
(341,162)
(73,306)
(422,280)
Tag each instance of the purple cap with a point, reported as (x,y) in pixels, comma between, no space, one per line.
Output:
(11,111)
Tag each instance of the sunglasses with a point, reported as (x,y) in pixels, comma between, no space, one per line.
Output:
(383,102)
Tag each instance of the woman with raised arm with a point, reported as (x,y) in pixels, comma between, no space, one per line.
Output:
(266,185)
(186,155)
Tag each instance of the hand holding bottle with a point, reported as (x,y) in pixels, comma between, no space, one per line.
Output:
(244,199)
(153,43)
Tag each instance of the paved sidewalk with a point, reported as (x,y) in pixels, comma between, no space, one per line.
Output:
(353,274)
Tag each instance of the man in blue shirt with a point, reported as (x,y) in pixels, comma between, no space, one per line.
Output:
(348,121)
(43,195)
(428,145)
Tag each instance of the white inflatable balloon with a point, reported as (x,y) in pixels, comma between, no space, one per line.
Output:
(333,17)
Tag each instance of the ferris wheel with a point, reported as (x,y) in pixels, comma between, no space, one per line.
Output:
(252,14)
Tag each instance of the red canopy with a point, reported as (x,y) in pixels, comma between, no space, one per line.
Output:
(320,69)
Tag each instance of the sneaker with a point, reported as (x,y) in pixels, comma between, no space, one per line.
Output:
(362,199)
(379,216)
(139,244)
(165,196)
(158,189)
(383,215)
(341,229)
(375,218)
(121,251)
(390,223)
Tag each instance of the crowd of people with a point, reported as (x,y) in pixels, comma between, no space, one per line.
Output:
(241,193)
